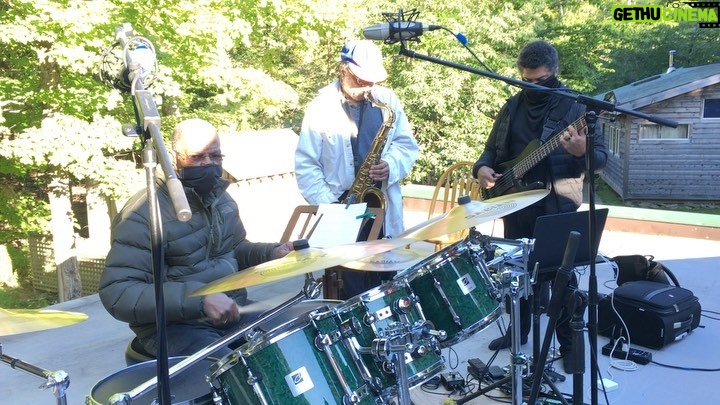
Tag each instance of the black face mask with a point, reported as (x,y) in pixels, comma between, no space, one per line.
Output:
(538,97)
(200,178)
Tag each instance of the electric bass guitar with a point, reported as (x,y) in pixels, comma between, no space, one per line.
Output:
(514,170)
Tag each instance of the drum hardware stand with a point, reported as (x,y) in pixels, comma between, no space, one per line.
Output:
(397,343)
(560,286)
(310,290)
(57,381)
(515,284)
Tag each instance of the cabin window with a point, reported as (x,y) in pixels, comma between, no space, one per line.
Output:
(711,108)
(613,134)
(661,132)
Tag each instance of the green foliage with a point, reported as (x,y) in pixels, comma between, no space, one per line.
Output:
(255,64)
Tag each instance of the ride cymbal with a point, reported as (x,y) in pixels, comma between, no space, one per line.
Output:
(300,262)
(473,213)
(15,321)
(394,260)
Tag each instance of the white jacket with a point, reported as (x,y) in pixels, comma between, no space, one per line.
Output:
(324,164)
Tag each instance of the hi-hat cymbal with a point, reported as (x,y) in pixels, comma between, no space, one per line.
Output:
(394,260)
(473,213)
(300,262)
(15,321)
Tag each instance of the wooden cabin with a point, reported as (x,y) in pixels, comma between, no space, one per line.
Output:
(656,162)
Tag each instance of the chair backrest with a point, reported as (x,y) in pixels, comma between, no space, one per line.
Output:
(302,218)
(456,181)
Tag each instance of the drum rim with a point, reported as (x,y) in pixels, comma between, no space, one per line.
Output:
(285,329)
(371,294)
(434,261)
(93,390)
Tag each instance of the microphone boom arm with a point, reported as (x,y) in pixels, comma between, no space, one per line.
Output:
(592,103)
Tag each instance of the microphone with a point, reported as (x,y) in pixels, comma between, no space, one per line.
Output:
(395,31)
(564,274)
(129,55)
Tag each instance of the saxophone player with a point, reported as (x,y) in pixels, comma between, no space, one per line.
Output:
(352,121)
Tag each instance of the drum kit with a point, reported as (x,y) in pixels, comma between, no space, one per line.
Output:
(370,349)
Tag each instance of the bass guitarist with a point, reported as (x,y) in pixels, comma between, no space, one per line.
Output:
(538,140)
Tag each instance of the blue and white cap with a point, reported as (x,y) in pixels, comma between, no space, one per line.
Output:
(365,60)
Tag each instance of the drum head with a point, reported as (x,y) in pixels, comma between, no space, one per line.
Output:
(187,387)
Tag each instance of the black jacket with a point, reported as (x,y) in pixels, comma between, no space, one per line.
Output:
(209,246)
(565,173)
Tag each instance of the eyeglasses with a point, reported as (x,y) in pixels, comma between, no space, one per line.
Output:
(358,81)
(200,157)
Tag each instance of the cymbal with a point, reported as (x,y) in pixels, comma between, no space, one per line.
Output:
(473,213)
(394,260)
(15,321)
(300,262)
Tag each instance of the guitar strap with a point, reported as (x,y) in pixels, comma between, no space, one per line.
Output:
(556,115)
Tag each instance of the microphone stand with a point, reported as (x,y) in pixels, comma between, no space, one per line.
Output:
(593,105)
(560,286)
(148,123)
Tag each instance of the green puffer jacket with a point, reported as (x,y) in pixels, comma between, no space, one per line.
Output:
(209,246)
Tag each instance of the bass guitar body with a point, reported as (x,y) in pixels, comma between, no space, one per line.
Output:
(511,182)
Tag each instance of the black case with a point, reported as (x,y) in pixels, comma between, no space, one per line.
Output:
(655,313)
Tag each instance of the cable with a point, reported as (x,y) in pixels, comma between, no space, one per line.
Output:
(624,365)
(684,368)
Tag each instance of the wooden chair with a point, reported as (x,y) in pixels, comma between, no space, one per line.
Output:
(299,226)
(455,182)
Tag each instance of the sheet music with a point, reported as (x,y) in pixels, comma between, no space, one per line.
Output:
(336,224)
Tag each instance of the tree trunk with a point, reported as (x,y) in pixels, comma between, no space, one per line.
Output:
(61,223)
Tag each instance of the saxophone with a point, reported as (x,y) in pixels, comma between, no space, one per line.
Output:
(363,188)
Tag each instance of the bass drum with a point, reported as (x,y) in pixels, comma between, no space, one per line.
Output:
(455,291)
(289,361)
(189,387)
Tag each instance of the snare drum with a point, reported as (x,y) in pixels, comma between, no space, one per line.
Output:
(455,291)
(378,311)
(286,362)
(189,386)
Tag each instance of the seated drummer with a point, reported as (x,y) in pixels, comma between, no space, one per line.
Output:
(209,246)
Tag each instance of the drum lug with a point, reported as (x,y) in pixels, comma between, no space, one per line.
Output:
(403,305)
(368,318)
(322,341)
(438,287)
(350,327)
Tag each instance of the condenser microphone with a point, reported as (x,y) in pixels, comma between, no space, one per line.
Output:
(129,55)
(395,31)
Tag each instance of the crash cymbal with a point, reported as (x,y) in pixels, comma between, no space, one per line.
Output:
(394,260)
(300,262)
(473,213)
(15,321)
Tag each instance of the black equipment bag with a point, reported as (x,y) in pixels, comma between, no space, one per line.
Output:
(655,313)
(642,267)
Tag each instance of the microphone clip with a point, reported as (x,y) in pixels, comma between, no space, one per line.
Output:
(395,21)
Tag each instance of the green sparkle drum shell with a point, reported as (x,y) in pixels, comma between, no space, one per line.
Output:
(455,279)
(284,366)
(376,312)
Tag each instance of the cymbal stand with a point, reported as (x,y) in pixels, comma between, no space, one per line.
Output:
(310,290)
(57,381)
